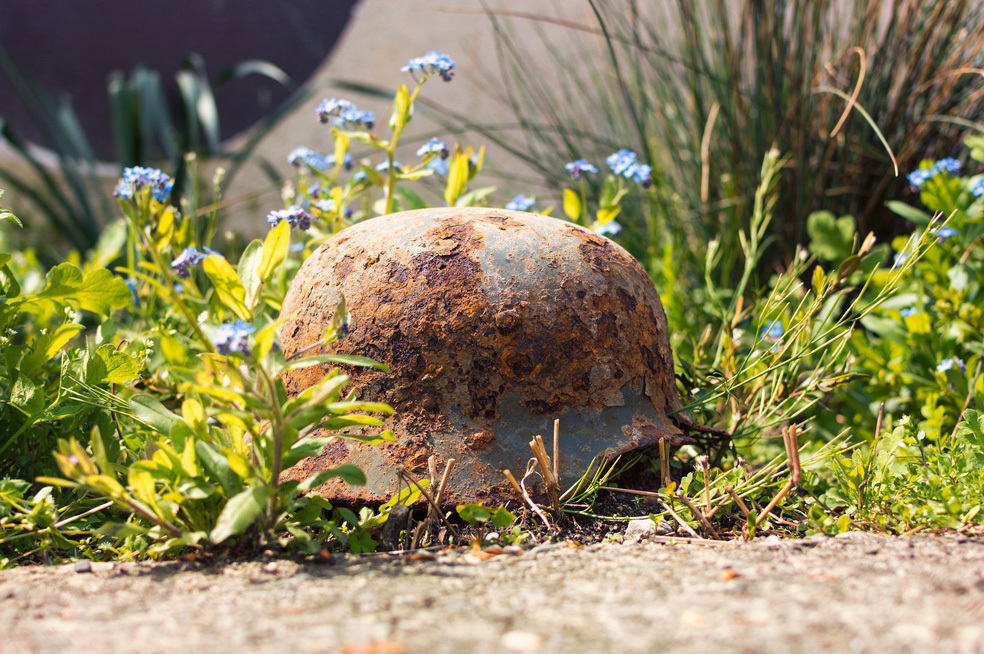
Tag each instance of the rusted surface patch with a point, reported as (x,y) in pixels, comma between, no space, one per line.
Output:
(471,307)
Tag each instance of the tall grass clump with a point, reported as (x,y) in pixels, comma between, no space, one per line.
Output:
(853,92)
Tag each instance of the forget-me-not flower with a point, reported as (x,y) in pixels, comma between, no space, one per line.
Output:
(295,215)
(137,177)
(439,166)
(948,164)
(435,146)
(520,203)
(947,364)
(346,114)
(919,177)
(611,228)
(944,233)
(575,168)
(233,337)
(620,161)
(432,62)
(189,257)
(908,312)
(977,188)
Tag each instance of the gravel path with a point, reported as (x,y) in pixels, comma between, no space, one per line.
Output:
(854,593)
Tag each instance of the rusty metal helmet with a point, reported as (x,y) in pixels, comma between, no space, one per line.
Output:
(493,324)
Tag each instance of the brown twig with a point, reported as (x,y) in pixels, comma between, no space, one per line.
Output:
(664,464)
(543,460)
(700,516)
(741,504)
(680,521)
(795,472)
(513,482)
(705,467)
(410,479)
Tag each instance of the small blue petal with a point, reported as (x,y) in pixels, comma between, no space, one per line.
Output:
(520,203)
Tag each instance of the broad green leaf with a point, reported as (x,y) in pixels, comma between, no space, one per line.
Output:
(473,514)
(502,517)
(227,285)
(46,346)
(240,512)
(216,466)
(163,230)
(152,413)
(831,238)
(348,473)
(572,204)
(98,291)
(275,248)
(410,199)
(107,366)
(248,264)
(26,396)
(910,213)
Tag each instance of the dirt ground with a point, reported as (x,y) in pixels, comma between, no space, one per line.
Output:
(852,593)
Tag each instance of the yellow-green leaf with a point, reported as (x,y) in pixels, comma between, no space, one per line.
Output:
(457,179)
(275,248)
(572,204)
(227,285)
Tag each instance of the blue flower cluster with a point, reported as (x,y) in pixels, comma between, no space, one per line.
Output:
(295,215)
(944,233)
(947,364)
(432,62)
(575,168)
(434,146)
(233,337)
(188,258)
(919,177)
(346,114)
(611,228)
(315,159)
(977,188)
(624,163)
(137,177)
(908,312)
(520,203)
(439,166)
(772,331)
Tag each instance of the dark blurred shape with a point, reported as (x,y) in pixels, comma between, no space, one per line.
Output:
(72,47)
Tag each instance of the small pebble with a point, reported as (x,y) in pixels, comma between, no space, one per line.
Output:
(521,641)
(83,566)
(270,568)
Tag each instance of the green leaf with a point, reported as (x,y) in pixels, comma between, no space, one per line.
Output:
(910,213)
(346,359)
(402,109)
(275,248)
(503,517)
(457,179)
(227,285)
(26,396)
(348,473)
(107,366)
(473,514)
(830,238)
(248,264)
(98,291)
(410,199)
(240,512)
(572,204)
(959,277)
(47,346)
(152,413)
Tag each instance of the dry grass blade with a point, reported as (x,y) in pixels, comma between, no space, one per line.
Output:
(789,437)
